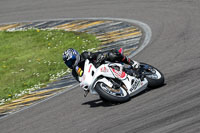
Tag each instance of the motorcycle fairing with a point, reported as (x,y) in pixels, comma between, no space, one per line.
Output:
(91,77)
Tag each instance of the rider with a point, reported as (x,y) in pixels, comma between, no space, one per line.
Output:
(76,61)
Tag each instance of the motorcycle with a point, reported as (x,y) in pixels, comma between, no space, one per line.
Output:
(115,82)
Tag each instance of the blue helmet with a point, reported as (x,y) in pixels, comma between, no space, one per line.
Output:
(71,57)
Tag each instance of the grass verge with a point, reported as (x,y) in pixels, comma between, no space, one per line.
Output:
(30,59)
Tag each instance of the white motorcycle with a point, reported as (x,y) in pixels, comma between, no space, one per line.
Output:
(112,83)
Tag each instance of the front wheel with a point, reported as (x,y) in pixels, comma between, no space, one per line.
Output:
(107,93)
(153,75)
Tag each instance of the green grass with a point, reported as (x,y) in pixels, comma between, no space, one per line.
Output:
(32,57)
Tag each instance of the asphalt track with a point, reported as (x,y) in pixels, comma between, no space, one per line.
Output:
(174,49)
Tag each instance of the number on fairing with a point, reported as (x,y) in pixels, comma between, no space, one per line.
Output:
(135,85)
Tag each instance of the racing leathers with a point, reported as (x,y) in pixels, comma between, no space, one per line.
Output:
(99,57)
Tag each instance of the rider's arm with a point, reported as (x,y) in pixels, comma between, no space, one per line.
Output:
(75,75)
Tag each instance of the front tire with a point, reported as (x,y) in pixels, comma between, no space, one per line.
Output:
(113,95)
(156,79)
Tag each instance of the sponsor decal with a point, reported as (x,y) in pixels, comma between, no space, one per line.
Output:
(103,69)
(119,74)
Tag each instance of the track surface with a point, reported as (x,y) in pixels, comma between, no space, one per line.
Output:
(174,49)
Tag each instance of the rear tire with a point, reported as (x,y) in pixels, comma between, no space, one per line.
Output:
(103,90)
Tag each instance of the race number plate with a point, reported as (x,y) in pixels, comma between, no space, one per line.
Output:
(135,85)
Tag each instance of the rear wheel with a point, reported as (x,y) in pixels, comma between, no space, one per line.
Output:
(113,95)
(153,75)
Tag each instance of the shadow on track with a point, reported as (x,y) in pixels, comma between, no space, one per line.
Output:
(99,103)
